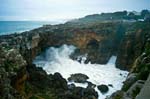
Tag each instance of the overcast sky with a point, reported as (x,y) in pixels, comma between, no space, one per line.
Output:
(50,10)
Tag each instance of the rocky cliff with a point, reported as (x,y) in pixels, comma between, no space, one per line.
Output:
(110,38)
(132,45)
(135,86)
(20,79)
(89,39)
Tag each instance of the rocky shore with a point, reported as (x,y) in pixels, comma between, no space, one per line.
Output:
(138,78)
(20,79)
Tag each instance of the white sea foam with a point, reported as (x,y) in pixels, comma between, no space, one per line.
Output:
(58,60)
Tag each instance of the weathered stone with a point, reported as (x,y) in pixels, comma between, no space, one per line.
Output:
(144,93)
(131,79)
(79,78)
(90,85)
(134,89)
(128,52)
(117,95)
(103,88)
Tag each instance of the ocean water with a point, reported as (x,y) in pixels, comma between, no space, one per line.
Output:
(58,60)
(10,27)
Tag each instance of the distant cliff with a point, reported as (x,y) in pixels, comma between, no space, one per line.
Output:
(113,16)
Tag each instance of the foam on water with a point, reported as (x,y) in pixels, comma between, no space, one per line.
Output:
(58,60)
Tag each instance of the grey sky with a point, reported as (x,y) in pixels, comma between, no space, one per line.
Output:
(64,9)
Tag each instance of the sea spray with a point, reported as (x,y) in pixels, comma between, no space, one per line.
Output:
(58,60)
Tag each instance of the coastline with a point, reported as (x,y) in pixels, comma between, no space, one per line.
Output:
(17,27)
(91,39)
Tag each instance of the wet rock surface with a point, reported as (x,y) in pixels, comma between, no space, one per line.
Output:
(103,88)
(79,78)
(82,93)
(19,80)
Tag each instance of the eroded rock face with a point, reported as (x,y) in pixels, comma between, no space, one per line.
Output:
(134,90)
(130,48)
(130,93)
(91,39)
(13,74)
(56,85)
(144,93)
(21,81)
(99,41)
(104,48)
(138,76)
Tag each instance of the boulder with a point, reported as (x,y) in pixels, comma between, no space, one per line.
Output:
(110,85)
(71,86)
(90,93)
(103,88)
(79,78)
(90,85)
(38,77)
(81,93)
(59,81)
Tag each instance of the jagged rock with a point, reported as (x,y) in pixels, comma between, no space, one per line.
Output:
(90,85)
(81,93)
(117,95)
(110,85)
(134,89)
(79,78)
(35,40)
(105,47)
(144,93)
(71,86)
(13,73)
(99,40)
(90,93)
(146,60)
(130,48)
(59,81)
(103,88)
(131,79)
(39,77)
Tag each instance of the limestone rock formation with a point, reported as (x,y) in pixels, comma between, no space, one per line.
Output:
(20,79)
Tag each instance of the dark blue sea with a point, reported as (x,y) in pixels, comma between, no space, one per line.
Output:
(10,27)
